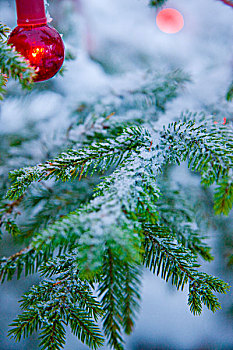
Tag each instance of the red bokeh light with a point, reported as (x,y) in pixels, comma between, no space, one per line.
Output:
(170,21)
(42,46)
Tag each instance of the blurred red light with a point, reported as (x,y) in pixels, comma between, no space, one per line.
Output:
(170,21)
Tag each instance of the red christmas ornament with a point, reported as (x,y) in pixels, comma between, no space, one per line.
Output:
(39,43)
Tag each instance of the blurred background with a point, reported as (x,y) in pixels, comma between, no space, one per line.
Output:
(111,42)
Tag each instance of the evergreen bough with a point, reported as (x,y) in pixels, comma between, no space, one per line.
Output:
(125,226)
(92,257)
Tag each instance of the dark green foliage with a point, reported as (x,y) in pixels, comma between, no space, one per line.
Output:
(66,300)
(10,226)
(4,32)
(110,290)
(207,147)
(3,81)
(224,196)
(229,95)
(126,222)
(130,296)
(165,256)
(129,220)
(119,293)
(8,215)
(27,260)
(157,3)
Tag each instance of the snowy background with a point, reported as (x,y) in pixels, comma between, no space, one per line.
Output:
(114,40)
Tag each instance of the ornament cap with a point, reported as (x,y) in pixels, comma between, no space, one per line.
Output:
(30,12)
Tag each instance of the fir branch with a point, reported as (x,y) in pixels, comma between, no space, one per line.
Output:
(130,296)
(10,226)
(223,197)
(156,91)
(54,302)
(66,266)
(27,259)
(229,94)
(41,249)
(8,214)
(119,293)
(113,199)
(108,232)
(110,293)
(54,201)
(4,32)
(90,255)
(69,165)
(207,146)
(52,335)
(157,3)
(3,81)
(164,255)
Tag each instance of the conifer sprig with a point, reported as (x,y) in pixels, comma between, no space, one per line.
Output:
(3,82)
(66,300)
(125,222)
(229,95)
(8,213)
(111,291)
(165,256)
(207,147)
(72,164)
(223,197)
(157,3)
(116,181)
(119,293)
(4,32)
